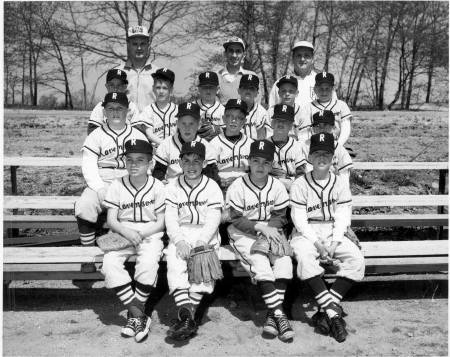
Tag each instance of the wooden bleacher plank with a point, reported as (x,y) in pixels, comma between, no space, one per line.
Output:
(406,265)
(67,202)
(39,221)
(41,161)
(52,275)
(405,248)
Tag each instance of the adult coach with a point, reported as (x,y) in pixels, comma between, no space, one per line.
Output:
(139,68)
(303,60)
(230,75)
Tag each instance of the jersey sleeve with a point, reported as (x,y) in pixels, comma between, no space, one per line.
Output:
(343,213)
(282,197)
(215,197)
(171,197)
(345,111)
(273,96)
(263,119)
(162,152)
(144,118)
(112,197)
(215,146)
(303,117)
(210,153)
(303,153)
(235,196)
(92,143)
(96,117)
(298,155)
(344,160)
(298,193)
(160,196)
(133,113)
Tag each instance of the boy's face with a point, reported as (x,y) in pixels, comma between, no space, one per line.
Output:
(234,54)
(234,120)
(248,95)
(115,113)
(321,160)
(322,128)
(323,91)
(281,127)
(302,59)
(207,93)
(137,164)
(116,85)
(188,126)
(287,93)
(138,47)
(162,90)
(192,166)
(259,167)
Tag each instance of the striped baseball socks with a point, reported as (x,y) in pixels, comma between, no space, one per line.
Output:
(339,288)
(127,297)
(270,295)
(280,286)
(321,294)
(87,232)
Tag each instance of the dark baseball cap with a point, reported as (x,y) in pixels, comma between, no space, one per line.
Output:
(193,147)
(322,141)
(138,146)
(208,79)
(249,81)
(116,97)
(237,104)
(287,79)
(262,148)
(283,111)
(324,77)
(323,116)
(164,73)
(117,73)
(189,108)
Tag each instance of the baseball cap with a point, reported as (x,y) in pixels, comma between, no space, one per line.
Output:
(208,78)
(189,108)
(193,147)
(322,141)
(117,73)
(164,73)
(115,97)
(283,111)
(324,77)
(323,116)
(305,44)
(287,79)
(237,104)
(234,40)
(249,81)
(262,148)
(138,146)
(135,31)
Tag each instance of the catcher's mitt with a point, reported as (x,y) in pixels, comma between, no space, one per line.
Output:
(352,236)
(113,241)
(204,265)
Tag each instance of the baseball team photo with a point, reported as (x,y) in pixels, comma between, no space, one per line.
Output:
(229,178)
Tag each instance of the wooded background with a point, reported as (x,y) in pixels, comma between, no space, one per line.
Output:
(51,49)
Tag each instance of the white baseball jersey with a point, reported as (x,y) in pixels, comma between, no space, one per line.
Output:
(320,200)
(301,121)
(193,203)
(257,118)
(97,118)
(341,159)
(305,90)
(109,145)
(232,158)
(288,157)
(162,122)
(168,154)
(136,205)
(212,113)
(257,203)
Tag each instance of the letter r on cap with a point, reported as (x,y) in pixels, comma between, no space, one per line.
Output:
(250,77)
(114,96)
(188,105)
(324,74)
(284,108)
(119,72)
(207,75)
(133,142)
(193,144)
(238,101)
(322,137)
(261,145)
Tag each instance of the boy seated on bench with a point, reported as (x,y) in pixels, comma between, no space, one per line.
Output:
(102,162)
(321,211)
(136,204)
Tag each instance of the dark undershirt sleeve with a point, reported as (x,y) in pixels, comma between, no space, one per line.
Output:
(278,218)
(141,127)
(91,128)
(242,223)
(212,171)
(159,172)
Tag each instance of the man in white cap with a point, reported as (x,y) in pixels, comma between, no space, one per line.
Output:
(303,60)
(139,68)
(230,75)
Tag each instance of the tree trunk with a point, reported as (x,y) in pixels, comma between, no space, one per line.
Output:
(330,35)
(84,84)
(358,86)
(400,75)
(6,84)
(22,93)
(430,78)
(316,17)
(31,77)
(411,73)
(35,83)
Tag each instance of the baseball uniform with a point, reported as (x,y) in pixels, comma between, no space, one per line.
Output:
(163,121)
(97,117)
(257,118)
(288,157)
(305,90)
(229,84)
(302,123)
(211,113)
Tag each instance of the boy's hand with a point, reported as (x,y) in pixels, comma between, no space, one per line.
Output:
(101,193)
(331,249)
(322,250)
(269,232)
(132,235)
(183,249)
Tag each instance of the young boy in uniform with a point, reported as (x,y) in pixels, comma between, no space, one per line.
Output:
(211,110)
(116,81)
(167,155)
(159,120)
(102,162)
(136,204)
(321,212)
(288,159)
(257,124)
(232,147)
(258,205)
(193,210)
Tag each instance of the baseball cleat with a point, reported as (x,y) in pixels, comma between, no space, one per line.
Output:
(185,327)
(270,326)
(320,322)
(285,331)
(129,329)
(337,329)
(142,327)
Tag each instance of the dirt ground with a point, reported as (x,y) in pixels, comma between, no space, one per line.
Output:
(400,318)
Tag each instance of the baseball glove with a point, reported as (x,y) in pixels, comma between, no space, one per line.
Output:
(261,246)
(207,131)
(282,248)
(278,172)
(352,236)
(204,265)
(113,241)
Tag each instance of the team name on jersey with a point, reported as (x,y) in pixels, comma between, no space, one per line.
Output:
(113,150)
(192,203)
(137,204)
(174,161)
(165,126)
(285,161)
(321,205)
(232,158)
(260,204)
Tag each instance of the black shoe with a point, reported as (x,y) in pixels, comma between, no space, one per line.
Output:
(185,327)
(320,322)
(337,329)
(88,268)
(129,329)
(270,326)
(285,331)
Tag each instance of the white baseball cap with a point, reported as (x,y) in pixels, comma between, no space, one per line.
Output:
(305,44)
(134,31)
(236,40)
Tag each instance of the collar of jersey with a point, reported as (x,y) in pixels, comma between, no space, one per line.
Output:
(250,183)
(127,183)
(147,65)
(108,129)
